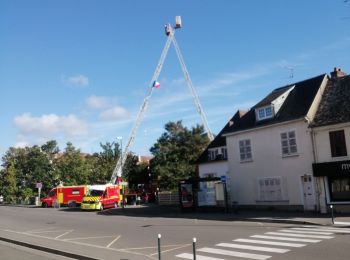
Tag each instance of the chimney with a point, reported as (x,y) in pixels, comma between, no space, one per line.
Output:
(337,73)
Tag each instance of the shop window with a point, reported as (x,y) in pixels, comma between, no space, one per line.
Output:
(338,144)
(339,189)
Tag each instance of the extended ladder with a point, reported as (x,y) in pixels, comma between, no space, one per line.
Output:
(170,32)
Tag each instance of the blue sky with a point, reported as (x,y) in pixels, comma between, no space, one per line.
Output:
(78,71)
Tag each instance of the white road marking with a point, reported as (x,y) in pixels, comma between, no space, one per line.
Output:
(48,231)
(255,248)
(39,230)
(64,234)
(233,253)
(264,242)
(305,232)
(335,230)
(113,241)
(297,235)
(342,223)
(148,247)
(78,243)
(198,257)
(81,238)
(287,239)
(172,249)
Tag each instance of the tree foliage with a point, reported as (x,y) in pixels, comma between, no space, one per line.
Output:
(176,152)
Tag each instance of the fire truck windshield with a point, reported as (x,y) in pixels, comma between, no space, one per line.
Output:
(96,192)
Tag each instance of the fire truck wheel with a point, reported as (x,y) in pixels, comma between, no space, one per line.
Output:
(44,205)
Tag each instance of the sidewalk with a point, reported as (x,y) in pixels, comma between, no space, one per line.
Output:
(273,216)
(308,218)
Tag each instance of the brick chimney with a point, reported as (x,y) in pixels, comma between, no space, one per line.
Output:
(337,73)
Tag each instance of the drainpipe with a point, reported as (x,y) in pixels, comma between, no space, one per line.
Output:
(319,180)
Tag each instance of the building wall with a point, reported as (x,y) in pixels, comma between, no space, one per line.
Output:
(323,155)
(269,162)
(217,168)
(322,143)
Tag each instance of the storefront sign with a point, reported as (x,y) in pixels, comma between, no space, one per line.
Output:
(341,168)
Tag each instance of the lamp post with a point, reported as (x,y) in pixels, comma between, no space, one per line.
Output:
(120,138)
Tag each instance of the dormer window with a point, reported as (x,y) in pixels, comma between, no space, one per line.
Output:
(264,113)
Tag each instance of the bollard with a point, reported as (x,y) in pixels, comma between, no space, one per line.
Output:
(194,248)
(331,206)
(159,255)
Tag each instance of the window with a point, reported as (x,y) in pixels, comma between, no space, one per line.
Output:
(245,150)
(212,154)
(270,189)
(289,143)
(224,152)
(265,113)
(339,188)
(338,145)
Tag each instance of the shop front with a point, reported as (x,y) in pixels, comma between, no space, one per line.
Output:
(335,182)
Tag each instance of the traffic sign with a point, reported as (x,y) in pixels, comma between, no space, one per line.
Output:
(39,185)
(223,178)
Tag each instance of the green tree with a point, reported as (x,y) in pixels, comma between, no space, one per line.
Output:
(71,168)
(9,182)
(176,152)
(102,164)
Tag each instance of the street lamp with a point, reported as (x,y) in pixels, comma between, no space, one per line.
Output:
(120,138)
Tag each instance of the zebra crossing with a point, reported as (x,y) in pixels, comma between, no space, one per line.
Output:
(269,244)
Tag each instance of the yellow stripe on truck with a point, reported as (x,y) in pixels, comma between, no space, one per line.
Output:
(91,199)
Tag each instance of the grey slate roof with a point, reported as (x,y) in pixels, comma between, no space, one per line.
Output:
(334,107)
(220,140)
(296,105)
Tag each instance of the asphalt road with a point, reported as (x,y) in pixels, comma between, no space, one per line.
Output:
(132,234)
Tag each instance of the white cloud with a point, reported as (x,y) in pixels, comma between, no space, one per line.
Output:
(114,113)
(100,102)
(78,80)
(48,125)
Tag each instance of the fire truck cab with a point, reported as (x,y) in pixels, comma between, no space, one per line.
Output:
(100,197)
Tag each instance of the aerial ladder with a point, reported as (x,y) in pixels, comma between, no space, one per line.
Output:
(170,32)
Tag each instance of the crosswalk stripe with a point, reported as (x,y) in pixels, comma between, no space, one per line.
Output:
(198,257)
(334,230)
(287,238)
(342,223)
(297,235)
(305,232)
(255,248)
(325,227)
(273,243)
(233,253)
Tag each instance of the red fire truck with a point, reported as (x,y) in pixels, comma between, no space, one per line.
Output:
(71,196)
(100,197)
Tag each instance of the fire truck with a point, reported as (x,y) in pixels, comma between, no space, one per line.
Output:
(100,197)
(71,196)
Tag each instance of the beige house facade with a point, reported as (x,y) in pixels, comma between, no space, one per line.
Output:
(270,150)
(331,143)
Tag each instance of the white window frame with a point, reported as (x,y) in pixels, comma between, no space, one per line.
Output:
(212,154)
(245,150)
(264,113)
(224,152)
(270,189)
(289,145)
